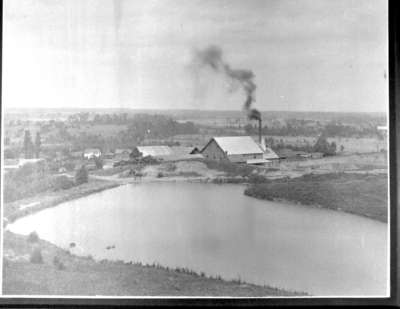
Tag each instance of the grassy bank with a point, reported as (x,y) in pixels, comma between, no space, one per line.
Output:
(364,195)
(65,274)
(13,211)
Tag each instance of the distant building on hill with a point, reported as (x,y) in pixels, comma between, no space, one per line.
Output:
(317,155)
(237,149)
(12,164)
(122,154)
(91,153)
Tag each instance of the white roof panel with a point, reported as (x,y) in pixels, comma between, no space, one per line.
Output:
(238,145)
(155,151)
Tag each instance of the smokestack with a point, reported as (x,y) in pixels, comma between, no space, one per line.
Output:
(212,57)
(254,114)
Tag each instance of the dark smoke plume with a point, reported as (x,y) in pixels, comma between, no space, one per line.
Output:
(212,57)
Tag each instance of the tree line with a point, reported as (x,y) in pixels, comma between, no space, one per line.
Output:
(321,145)
(137,129)
(333,129)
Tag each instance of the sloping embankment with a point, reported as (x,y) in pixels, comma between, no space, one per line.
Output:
(364,195)
(61,273)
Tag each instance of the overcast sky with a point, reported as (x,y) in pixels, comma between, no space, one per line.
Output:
(307,55)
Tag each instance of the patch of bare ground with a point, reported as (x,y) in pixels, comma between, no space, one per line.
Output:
(61,273)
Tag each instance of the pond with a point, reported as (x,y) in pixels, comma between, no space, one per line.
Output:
(218,230)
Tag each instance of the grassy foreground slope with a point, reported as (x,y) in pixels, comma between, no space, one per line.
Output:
(359,194)
(60,273)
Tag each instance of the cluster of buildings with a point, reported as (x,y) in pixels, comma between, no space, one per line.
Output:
(236,149)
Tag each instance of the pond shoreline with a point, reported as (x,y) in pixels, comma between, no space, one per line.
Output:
(16,210)
(97,185)
(184,278)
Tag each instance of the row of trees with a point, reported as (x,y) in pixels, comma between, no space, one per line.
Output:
(31,149)
(158,126)
(321,145)
(138,128)
(332,129)
(84,118)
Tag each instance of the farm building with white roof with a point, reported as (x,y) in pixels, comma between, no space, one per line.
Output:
(155,151)
(238,149)
(92,153)
(166,153)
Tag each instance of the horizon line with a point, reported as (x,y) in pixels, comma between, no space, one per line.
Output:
(183,109)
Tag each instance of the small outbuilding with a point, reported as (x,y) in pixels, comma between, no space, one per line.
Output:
(122,154)
(91,153)
(316,155)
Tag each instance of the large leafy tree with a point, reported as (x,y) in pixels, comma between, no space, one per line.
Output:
(38,143)
(81,175)
(322,145)
(28,145)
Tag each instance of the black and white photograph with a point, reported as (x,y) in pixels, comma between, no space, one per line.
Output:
(195,149)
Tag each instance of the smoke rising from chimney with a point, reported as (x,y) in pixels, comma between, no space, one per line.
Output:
(212,57)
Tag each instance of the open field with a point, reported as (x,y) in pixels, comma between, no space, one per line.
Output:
(354,193)
(352,145)
(361,163)
(61,273)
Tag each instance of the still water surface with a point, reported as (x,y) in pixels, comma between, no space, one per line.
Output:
(217,230)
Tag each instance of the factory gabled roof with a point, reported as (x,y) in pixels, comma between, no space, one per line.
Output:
(237,145)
